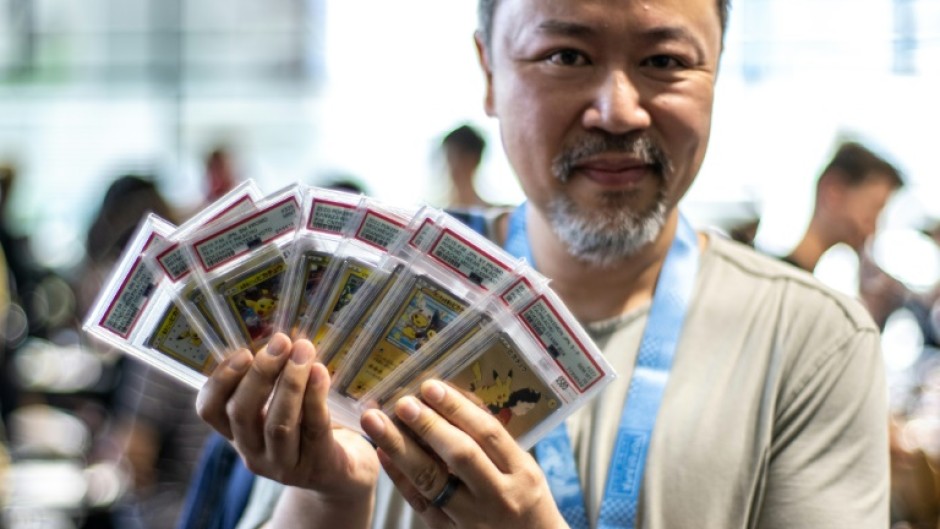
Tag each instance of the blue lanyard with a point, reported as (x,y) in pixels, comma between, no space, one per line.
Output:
(647,387)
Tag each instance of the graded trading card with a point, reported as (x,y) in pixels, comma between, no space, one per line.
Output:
(313,269)
(562,338)
(175,337)
(130,288)
(426,309)
(502,380)
(252,299)
(351,277)
(340,339)
(197,298)
(240,266)
(327,215)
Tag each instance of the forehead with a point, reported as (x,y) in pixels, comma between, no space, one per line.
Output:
(616,18)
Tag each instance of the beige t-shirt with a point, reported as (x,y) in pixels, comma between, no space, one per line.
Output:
(775,414)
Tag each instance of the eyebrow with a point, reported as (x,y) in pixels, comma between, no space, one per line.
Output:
(652,35)
(670,33)
(571,29)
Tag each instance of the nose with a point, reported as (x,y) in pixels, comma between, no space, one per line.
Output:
(617,106)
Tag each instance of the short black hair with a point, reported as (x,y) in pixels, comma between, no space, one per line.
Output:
(465,138)
(854,164)
(486,8)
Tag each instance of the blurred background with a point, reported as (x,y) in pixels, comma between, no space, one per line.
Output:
(109,108)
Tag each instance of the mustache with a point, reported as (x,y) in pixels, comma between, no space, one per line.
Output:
(641,147)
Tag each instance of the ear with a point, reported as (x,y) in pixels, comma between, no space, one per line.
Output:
(483,55)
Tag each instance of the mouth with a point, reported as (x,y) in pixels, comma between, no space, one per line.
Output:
(621,172)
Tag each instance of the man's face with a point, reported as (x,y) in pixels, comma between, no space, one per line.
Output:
(860,206)
(605,110)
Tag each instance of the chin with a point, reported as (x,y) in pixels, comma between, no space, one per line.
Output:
(609,233)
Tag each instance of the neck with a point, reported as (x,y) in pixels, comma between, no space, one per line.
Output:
(463,194)
(814,244)
(594,292)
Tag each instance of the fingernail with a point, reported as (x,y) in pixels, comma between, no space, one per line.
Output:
(433,391)
(239,361)
(318,375)
(302,353)
(372,423)
(277,346)
(408,409)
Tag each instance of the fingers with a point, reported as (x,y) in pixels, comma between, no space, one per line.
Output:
(316,431)
(282,424)
(245,408)
(421,505)
(424,475)
(484,429)
(210,402)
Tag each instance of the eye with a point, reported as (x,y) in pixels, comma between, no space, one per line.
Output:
(663,62)
(568,57)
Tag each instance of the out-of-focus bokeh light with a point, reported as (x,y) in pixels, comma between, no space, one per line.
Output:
(42,365)
(909,256)
(838,268)
(42,431)
(902,341)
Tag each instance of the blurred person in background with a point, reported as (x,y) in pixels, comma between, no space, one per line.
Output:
(156,433)
(221,174)
(463,151)
(851,193)
(340,181)
(21,268)
(4,304)
(128,199)
(22,276)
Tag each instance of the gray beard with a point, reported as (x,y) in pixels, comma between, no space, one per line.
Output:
(606,235)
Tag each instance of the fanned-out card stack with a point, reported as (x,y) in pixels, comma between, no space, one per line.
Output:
(390,296)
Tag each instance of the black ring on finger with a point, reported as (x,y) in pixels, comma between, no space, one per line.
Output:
(447,493)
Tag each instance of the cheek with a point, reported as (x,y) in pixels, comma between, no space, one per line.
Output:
(683,124)
(533,124)
(684,120)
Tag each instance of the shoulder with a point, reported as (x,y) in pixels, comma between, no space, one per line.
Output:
(779,316)
(747,272)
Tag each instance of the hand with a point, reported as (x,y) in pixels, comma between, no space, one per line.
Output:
(288,439)
(497,483)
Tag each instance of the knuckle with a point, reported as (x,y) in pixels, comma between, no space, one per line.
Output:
(532,480)
(425,425)
(254,466)
(291,385)
(464,457)
(277,432)
(262,370)
(491,434)
(418,502)
(426,477)
(451,406)
(393,445)
(237,415)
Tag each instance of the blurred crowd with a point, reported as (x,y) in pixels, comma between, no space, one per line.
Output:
(92,439)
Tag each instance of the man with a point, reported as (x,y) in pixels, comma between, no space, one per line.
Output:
(463,151)
(774,413)
(851,193)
